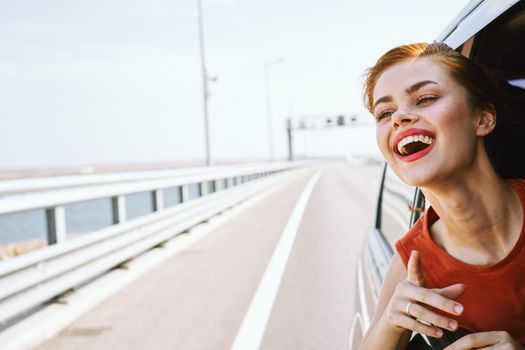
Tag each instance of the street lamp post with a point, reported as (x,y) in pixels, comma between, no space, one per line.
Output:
(205,78)
(289,124)
(267,67)
(289,131)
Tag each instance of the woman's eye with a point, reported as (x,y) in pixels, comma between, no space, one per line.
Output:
(383,115)
(425,99)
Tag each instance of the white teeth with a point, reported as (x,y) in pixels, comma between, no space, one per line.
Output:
(414,138)
(400,148)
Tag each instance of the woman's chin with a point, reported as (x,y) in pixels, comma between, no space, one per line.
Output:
(414,178)
(414,182)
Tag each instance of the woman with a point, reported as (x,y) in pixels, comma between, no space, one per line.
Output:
(441,124)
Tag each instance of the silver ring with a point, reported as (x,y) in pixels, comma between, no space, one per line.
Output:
(407,308)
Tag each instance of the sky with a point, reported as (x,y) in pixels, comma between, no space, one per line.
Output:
(119,81)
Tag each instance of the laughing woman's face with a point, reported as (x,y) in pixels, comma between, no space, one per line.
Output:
(426,130)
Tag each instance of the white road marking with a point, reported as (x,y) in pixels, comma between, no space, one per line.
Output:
(45,324)
(253,326)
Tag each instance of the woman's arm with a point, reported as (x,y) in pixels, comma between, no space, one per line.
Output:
(391,326)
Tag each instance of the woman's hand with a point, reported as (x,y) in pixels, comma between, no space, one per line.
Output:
(411,303)
(486,340)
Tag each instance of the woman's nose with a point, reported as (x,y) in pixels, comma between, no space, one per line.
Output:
(402,117)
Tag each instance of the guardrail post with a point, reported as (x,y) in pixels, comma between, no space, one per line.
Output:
(204,188)
(118,205)
(184,193)
(56,225)
(158,200)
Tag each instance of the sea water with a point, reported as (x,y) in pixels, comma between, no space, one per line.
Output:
(83,217)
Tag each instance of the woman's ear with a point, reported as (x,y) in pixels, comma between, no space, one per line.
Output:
(486,121)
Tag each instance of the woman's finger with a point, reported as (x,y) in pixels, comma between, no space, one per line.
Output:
(484,340)
(496,347)
(451,292)
(414,272)
(409,323)
(422,313)
(430,297)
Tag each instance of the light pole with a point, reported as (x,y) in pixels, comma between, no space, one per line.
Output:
(267,66)
(289,124)
(204,84)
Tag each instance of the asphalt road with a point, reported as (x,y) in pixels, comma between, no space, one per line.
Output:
(199,298)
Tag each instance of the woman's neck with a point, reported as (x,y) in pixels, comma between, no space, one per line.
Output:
(480,217)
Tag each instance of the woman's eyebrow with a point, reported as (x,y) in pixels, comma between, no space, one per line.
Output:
(412,88)
(383,99)
(419,85)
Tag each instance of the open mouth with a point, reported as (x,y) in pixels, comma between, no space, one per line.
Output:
(413,144)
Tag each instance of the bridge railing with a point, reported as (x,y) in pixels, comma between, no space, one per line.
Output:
(29,280)
(54,182)
(52,194)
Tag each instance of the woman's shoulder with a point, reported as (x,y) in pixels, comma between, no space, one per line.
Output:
(520,182)
(519,187)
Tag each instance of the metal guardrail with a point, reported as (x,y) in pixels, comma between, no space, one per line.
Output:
(8,187)
(53,198)
(29,280)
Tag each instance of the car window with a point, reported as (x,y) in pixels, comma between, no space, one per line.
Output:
(501,45)
(396,207)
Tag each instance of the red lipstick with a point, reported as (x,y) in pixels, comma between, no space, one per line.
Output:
(414,156)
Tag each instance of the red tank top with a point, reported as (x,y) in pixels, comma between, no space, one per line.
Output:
(494,298)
